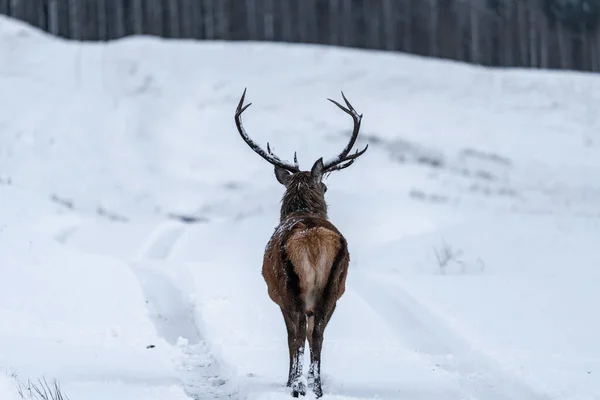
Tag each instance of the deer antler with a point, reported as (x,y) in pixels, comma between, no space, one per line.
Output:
(268,155)
(343,160)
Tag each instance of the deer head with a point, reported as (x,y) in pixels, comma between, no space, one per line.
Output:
(305,190)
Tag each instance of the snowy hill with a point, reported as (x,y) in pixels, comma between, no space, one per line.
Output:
(133,220)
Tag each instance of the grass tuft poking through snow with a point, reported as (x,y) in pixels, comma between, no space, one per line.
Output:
(40,390)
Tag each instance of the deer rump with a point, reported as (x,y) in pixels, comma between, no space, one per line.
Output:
(306,266)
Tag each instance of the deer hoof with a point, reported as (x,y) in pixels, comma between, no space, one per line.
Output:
(299,387)
(318,392)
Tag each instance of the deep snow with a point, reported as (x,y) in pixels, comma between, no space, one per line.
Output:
(472,221)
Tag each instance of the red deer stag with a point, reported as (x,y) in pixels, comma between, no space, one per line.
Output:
(306,260)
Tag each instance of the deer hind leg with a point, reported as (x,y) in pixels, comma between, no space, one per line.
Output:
(309,335)
(296,322)
(291,332)
(322,315)
(321,319)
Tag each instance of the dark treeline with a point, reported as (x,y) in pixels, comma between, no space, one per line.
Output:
(525,33)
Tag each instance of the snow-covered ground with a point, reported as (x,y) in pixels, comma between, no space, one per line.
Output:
(472,220)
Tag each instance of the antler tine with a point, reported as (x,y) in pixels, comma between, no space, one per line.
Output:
(341,166)
(269,157)
(350,160)
(296,165)
(334,164)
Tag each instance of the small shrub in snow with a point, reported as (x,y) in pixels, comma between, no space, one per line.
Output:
(40,390)
(447,255)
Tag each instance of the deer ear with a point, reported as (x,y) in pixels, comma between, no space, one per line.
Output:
(282,175)
(317,170)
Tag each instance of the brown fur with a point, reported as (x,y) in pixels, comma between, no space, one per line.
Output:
(306,236)
(312,252)
(303,196)
(305,267)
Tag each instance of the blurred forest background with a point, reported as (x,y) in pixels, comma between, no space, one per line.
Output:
(560,34)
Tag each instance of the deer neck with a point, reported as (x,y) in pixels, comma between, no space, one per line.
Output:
(303,204)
